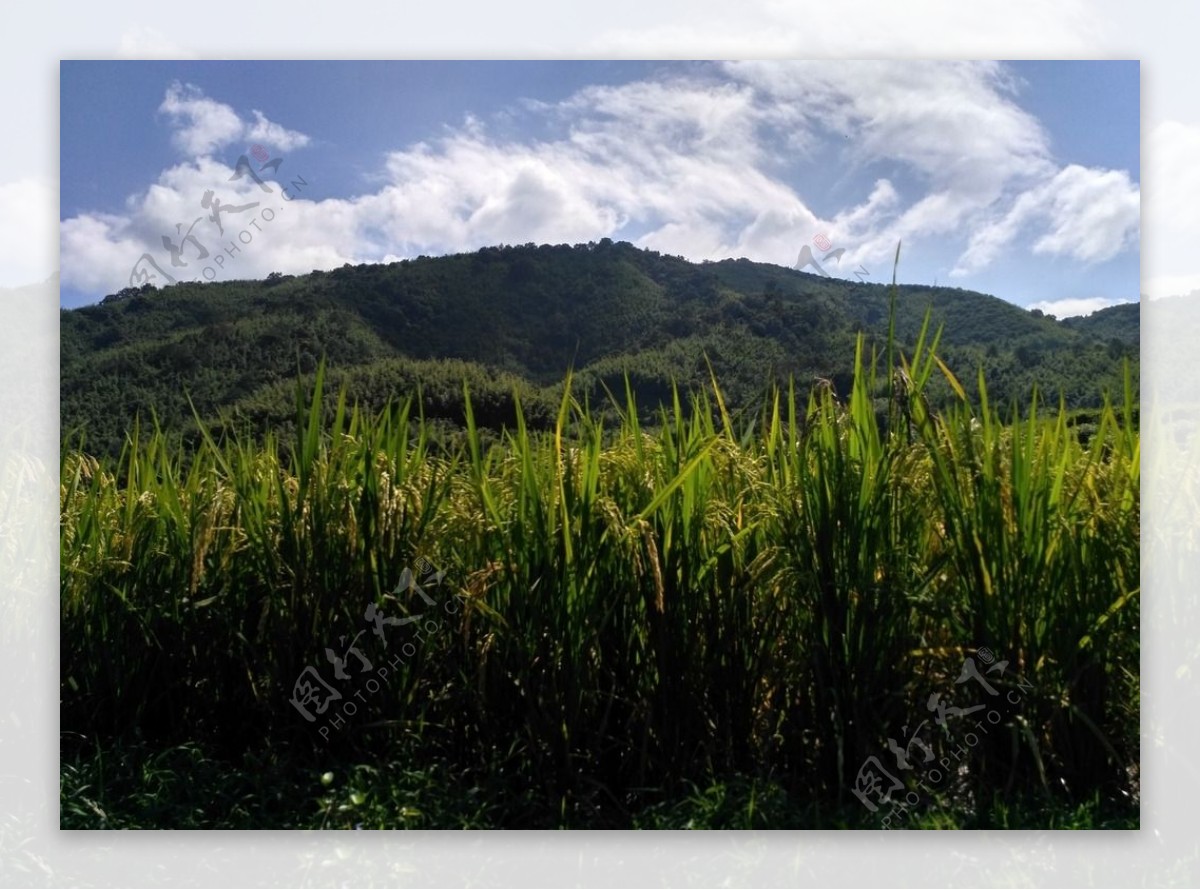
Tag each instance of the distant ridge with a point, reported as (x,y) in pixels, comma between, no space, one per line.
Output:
(516,317)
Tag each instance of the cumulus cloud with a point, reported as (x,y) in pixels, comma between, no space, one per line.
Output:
(270,133)
(952,122)
(698,164)
(680,161)
(983,162)
(695,162)
(1084,213)
(263,232)
(1071,306)
(1093,214)
(202,125)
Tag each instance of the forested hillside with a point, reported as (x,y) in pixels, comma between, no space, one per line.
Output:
(514,319)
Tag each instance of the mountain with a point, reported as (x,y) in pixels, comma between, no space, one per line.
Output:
(514,319)
(1121,322)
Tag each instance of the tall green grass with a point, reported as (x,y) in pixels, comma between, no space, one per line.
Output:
(642,608)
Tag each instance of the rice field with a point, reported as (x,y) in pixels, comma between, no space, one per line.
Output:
(714,618)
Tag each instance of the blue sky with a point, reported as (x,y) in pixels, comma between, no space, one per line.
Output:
(1019,179)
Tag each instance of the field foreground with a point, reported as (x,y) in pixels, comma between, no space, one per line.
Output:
(711,620)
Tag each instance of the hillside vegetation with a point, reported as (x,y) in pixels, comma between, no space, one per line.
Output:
(514,319)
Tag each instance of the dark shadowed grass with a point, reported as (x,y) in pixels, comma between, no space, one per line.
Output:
(135,786)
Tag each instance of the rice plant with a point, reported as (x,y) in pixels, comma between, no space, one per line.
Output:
(646,609)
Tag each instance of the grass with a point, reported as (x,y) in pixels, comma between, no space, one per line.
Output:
(142,787)
(711,622)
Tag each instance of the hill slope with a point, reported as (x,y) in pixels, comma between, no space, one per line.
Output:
(1121,323)
(515,318)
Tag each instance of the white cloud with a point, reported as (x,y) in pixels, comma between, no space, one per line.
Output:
(984,162)
(203,125)
(270,133)
(989,240)
(1083,213)
(1093,214)
(692,164)
(952,122)
(1071,306)
(687,158)
(99,251)
(679,161)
